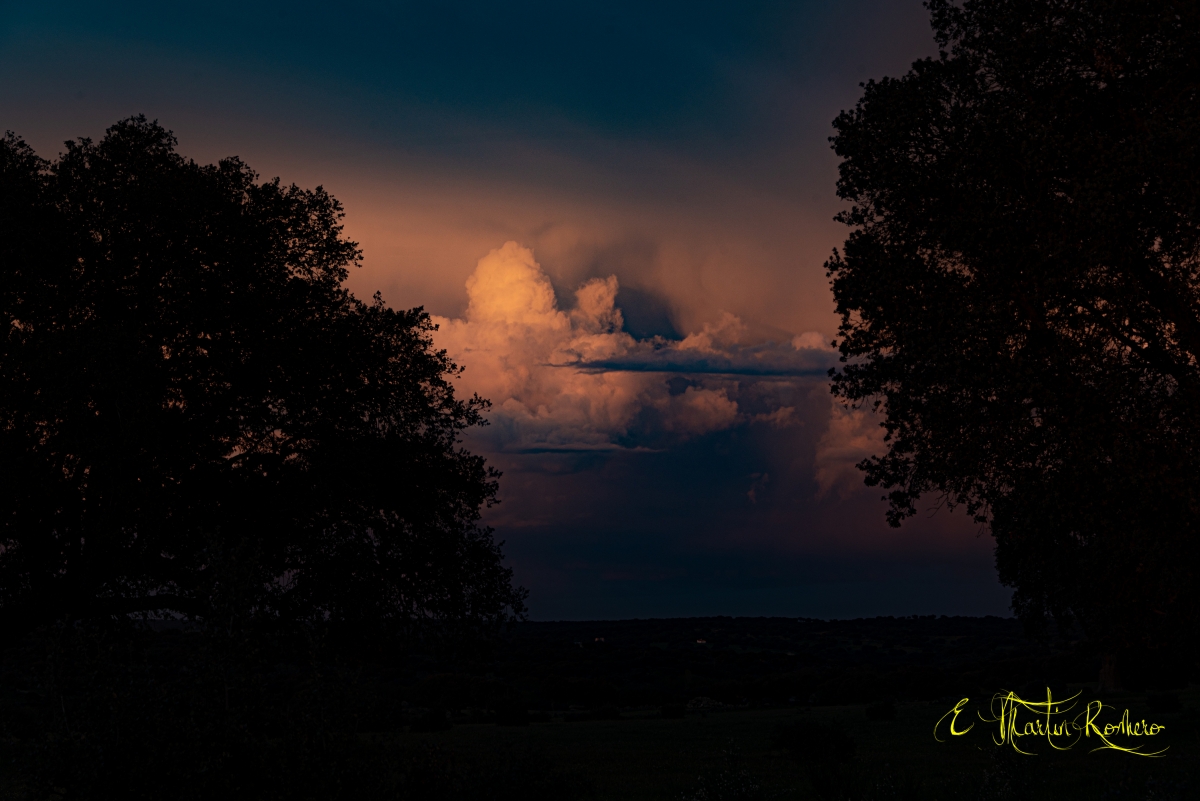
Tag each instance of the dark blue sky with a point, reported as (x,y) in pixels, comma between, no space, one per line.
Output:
(680,148)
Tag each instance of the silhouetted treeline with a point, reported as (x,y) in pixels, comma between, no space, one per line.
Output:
(203,430)
(199,420)
(1019,301)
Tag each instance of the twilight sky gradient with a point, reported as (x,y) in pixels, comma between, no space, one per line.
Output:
(618,213)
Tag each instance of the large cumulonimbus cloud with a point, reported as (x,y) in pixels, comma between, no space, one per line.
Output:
(574,379)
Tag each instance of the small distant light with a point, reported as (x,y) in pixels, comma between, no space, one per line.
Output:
(701,642)
(599,639)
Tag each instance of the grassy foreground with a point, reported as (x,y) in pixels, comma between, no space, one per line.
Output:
(715,709)
(643,756)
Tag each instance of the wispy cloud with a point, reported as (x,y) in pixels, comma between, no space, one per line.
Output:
(853,435)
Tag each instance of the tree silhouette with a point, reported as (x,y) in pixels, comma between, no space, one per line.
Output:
(1020,297)
(197,417)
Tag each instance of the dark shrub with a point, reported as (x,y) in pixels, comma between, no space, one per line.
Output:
(834,781)
(516,775)
(884,710)
(815,743)
(1163,702)
(673,711)
(1004,777)
(892,786)
(512,714)
(428,773)
(431,720)
(598,713)
(730,783)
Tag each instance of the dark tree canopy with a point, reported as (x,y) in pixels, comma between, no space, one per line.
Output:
(1020,297)
(197,416)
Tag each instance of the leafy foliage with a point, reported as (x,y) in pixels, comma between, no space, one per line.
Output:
(198,418)
(1020,297)
(731,782)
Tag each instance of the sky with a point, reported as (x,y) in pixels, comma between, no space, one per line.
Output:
(618,213)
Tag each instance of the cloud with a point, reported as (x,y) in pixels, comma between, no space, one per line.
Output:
(853,435)
(718,350)
(575,380)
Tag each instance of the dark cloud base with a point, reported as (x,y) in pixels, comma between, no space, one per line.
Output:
(731,523)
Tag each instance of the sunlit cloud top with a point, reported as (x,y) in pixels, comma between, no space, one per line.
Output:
(575,379)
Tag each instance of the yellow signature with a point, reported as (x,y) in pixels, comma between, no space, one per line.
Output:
(1050,720)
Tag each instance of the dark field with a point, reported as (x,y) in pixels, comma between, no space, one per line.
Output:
(765,675)
(706,708)
(643,756)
